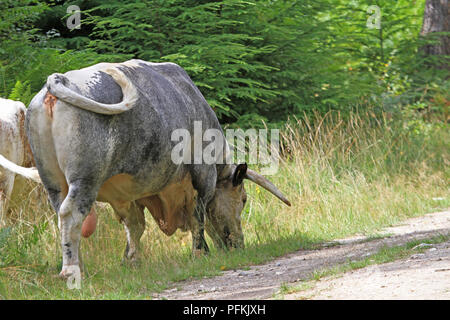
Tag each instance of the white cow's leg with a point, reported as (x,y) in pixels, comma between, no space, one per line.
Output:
(73,211)
(6,188)
(3,207)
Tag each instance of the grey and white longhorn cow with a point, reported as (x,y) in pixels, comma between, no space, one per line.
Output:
(104,132)
(16,161)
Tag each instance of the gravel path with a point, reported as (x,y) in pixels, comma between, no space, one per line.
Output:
(426,276)
(421,276)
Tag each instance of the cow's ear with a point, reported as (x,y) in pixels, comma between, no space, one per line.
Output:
(239,174)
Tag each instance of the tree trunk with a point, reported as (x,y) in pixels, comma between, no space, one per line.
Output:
(436,19)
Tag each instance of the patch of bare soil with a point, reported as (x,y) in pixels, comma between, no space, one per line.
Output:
(425,277)
(421,276)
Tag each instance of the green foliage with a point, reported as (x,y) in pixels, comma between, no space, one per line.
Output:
(22,92)
(16,32)
(209,39)
(254,61)
(15,250)
(28,57)
(17,17)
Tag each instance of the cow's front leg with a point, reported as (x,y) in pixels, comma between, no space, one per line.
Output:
(74,209)
(204,181)
(134,227)
(199,245)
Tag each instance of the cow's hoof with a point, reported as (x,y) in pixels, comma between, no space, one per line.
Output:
(70,271)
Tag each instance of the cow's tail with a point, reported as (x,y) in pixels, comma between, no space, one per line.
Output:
(56,85)
(29,173)
(89,223)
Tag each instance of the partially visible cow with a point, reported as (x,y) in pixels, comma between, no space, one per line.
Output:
(104,132)
(14,146)
(16,163)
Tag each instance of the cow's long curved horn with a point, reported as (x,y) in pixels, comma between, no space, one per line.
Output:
(55,85)
(266,184)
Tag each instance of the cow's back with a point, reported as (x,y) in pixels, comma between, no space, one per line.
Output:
(136,142)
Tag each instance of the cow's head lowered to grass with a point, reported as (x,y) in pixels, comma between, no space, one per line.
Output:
(224,211)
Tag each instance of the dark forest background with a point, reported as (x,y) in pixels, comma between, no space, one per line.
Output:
(253,60)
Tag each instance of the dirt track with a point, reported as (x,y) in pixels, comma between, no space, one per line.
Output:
(424,276)
(421,276)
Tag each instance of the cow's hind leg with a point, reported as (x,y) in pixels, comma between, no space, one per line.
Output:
(74,209)
(131,214)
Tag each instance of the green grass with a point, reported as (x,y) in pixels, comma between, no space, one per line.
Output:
(384,255)
(343,177)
